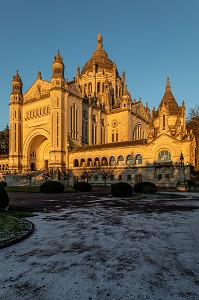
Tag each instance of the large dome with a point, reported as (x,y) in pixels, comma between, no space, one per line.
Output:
(99,58)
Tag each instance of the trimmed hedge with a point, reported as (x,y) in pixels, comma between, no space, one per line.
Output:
(3,183)
(121,189)
(4,199)
(51,187)
(82,186)
(145,187)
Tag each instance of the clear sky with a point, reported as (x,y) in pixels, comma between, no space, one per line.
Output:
(148,39)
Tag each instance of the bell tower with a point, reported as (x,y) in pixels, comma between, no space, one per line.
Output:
(15,136)
(58,113)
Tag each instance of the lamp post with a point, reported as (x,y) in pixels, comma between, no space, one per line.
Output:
(182,183)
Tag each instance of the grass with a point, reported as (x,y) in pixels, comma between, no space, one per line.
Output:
(30,189)
(22,189)
(12,226)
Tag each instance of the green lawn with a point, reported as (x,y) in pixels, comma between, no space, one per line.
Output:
(13,226)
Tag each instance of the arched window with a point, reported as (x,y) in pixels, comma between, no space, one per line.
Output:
(112,161)
(82,162)
(164,156)
(104,161)
(138,133)
(89,162)
(138,159)
(76,163)
(120,160)
(96,161)
(129,160)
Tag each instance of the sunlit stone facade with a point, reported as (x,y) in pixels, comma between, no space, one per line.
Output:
(92,123)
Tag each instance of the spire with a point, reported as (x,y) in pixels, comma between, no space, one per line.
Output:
(169,101)
(168,87)
(17,77)
(39,75)
(99,42)
(58,58)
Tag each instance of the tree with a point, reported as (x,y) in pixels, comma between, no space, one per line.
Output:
(106,172)
(4,141)
(193,124)
(86,174)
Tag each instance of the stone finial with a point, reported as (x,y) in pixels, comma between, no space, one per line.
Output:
(39,75)
(168,84)
(99,41)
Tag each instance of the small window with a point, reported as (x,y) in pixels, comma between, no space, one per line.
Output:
(76,163)
(120,160)
(112,161)
(96,177)
(167,177)
(120,178)
(128,177)
(112,137)
(138,160)
(129,160)
(159,177)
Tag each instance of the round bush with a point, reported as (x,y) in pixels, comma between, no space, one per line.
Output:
(4,199)
(121,189)
(51,187)
(82,186)
(3,183)
(145,187)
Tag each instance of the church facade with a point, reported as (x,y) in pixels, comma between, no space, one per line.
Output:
(92,125)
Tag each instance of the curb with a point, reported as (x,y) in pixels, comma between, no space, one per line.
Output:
(19,239)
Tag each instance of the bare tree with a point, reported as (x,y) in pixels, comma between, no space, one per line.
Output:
(86,174)
(193,124)
(106,173)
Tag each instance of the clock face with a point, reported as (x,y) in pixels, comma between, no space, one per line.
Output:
(85,115)
(114,123)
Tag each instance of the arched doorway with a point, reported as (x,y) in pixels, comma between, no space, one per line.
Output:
(38,153)
(33,167)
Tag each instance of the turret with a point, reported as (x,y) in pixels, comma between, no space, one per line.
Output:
(16,94)
(57,79)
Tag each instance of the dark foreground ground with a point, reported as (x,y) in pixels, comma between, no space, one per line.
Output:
(96,247)
(160,202)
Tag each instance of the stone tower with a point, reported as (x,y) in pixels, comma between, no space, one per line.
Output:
(15,140)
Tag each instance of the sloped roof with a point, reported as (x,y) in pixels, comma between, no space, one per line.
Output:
(169,101)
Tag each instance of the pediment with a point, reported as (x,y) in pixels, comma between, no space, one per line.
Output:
(164,138)
(39,89)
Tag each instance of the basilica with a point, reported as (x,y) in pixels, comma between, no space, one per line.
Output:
(91,125)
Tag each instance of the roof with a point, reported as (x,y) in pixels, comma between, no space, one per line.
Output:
(99,58)
(169,101)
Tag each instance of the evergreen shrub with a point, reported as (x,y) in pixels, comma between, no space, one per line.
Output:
(4,199)
(51,187)
(121,189)
(82,186)
(3,183)
(145,187)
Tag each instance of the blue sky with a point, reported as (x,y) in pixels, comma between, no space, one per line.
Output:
(149,39)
